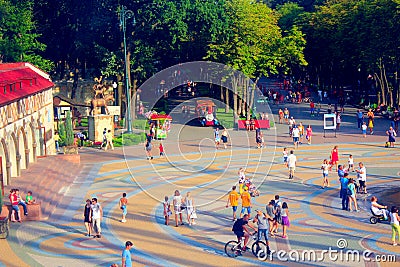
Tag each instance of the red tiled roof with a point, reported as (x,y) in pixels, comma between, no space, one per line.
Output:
(19,80)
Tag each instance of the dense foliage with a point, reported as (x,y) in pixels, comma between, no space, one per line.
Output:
(343,41)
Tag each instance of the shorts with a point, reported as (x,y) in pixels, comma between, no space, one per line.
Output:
(325,174)
(364,131)
(286,116)
(295,139)
(285,159)
(292,169)
(362,183)
(234,208)
(244,209)
(239,234)
(124,210)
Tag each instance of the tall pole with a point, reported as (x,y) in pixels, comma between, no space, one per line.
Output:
(123,16)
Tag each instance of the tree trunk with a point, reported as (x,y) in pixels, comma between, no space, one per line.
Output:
(226,100)
(75,83)
(235,100)
(221,91)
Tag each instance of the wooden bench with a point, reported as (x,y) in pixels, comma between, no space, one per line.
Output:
(261,124)
(34,212)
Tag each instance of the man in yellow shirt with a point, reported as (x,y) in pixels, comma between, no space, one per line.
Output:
(233,198)
(246,202)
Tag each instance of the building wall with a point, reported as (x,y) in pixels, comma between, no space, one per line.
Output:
(26,132)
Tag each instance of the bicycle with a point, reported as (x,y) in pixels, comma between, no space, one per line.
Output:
(234,249)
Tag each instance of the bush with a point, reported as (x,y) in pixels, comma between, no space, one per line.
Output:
(61,133)
(228,124)
(140,124)
(129,139)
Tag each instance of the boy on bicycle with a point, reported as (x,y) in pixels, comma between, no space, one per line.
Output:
(240,230)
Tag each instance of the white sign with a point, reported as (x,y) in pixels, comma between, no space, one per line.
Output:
(114,110)
(329,121)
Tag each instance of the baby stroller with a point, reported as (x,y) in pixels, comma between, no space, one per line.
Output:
(252,189)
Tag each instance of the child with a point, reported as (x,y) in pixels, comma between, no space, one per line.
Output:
(242,178)
(325,171)
(285,156)
(29,199)
(350,161)
(161,148)
(167,210)
(364,129)
(371,126)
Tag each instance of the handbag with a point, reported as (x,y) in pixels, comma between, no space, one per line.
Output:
(193,215)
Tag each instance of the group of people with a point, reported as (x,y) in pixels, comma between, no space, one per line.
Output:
(180,204)
(148,145)
(16,201)
(267,223)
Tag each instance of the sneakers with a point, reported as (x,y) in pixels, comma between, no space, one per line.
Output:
(394,244)
(123,221)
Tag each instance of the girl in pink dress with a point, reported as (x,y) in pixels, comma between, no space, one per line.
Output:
(335,157)
(309,134)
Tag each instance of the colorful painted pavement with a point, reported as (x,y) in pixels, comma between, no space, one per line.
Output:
(317,221)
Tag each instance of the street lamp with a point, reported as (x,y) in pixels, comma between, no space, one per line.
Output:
(125,14)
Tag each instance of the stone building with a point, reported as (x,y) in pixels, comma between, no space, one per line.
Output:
(26,118)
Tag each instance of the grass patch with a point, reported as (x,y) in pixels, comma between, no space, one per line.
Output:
(225,119)
(129,139)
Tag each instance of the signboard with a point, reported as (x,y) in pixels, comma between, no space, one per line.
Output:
(114,110)
(329,121)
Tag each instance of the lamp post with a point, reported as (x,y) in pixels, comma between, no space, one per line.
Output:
(125,14)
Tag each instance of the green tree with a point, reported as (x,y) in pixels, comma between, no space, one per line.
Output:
(69,133)
(255,45)
(18,35)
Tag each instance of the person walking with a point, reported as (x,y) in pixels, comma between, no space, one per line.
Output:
(177,202)
(161,148)
(233,201)
(167,210)
(351,192)
(335,157)
(148,147)
(97,214)
(57,141)
(364,128)
(190,209)
(246,202)
(392,136)
(126,255)
(291,163)
(217,138)
(394,222)
(224,137)
(338,121)
(87,217)
(325,173)
(309,134)
(360,118)
(285,219)
(123,203)
(109,140)
(296,136)
(242,178)
(280,114)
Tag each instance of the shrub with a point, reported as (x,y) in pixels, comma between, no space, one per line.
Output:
(129,139)
(61,133)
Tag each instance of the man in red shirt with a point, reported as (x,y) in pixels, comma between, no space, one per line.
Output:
(14,203)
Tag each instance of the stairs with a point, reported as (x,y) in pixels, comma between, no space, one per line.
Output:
(46,178)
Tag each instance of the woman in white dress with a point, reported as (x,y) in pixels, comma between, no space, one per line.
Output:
(177,201)
(190,209)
